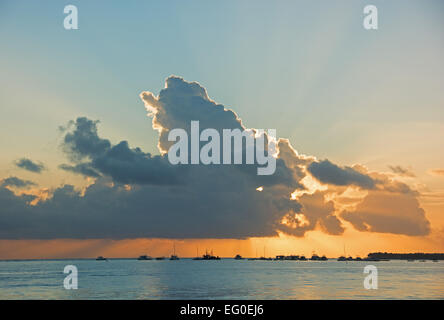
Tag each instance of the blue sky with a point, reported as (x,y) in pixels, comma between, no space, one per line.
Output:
(306,68)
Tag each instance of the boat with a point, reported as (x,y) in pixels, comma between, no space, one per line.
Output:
(290,257)
(208,256)
(238,257)
(302,258)
(100,258)
(174,256)
(160,258)
(144,257)
(197,255)
(265,259)
(342,258)
(315,257)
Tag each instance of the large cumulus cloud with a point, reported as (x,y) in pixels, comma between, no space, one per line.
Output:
(391,207)
(380,211)
(136,194)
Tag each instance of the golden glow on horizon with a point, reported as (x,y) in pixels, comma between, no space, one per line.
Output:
(356,242)
(317,241)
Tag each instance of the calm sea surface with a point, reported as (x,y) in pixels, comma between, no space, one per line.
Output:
(225,279)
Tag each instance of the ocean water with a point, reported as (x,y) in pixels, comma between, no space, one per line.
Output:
(224,279)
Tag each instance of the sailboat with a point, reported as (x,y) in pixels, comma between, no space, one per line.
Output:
(207,256)
(264,257)
(173,256)
(197,254)
(343,258)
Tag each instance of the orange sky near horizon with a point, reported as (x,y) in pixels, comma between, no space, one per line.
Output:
(355,243)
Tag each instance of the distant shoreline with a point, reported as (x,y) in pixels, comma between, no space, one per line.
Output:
(373,255)
(406,256)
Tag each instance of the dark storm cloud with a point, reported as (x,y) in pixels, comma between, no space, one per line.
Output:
(327,172)
(215,201)
(106,211)
(29,165)
(120,162)
(136,194)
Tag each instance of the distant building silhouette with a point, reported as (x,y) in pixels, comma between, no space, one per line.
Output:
(406,256)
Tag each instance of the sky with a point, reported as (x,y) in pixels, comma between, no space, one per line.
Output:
(355,105)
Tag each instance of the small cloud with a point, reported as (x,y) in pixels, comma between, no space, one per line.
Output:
(82,168)
(327,172)
(16,182)
(29,165)
(404,172)
(437,172)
